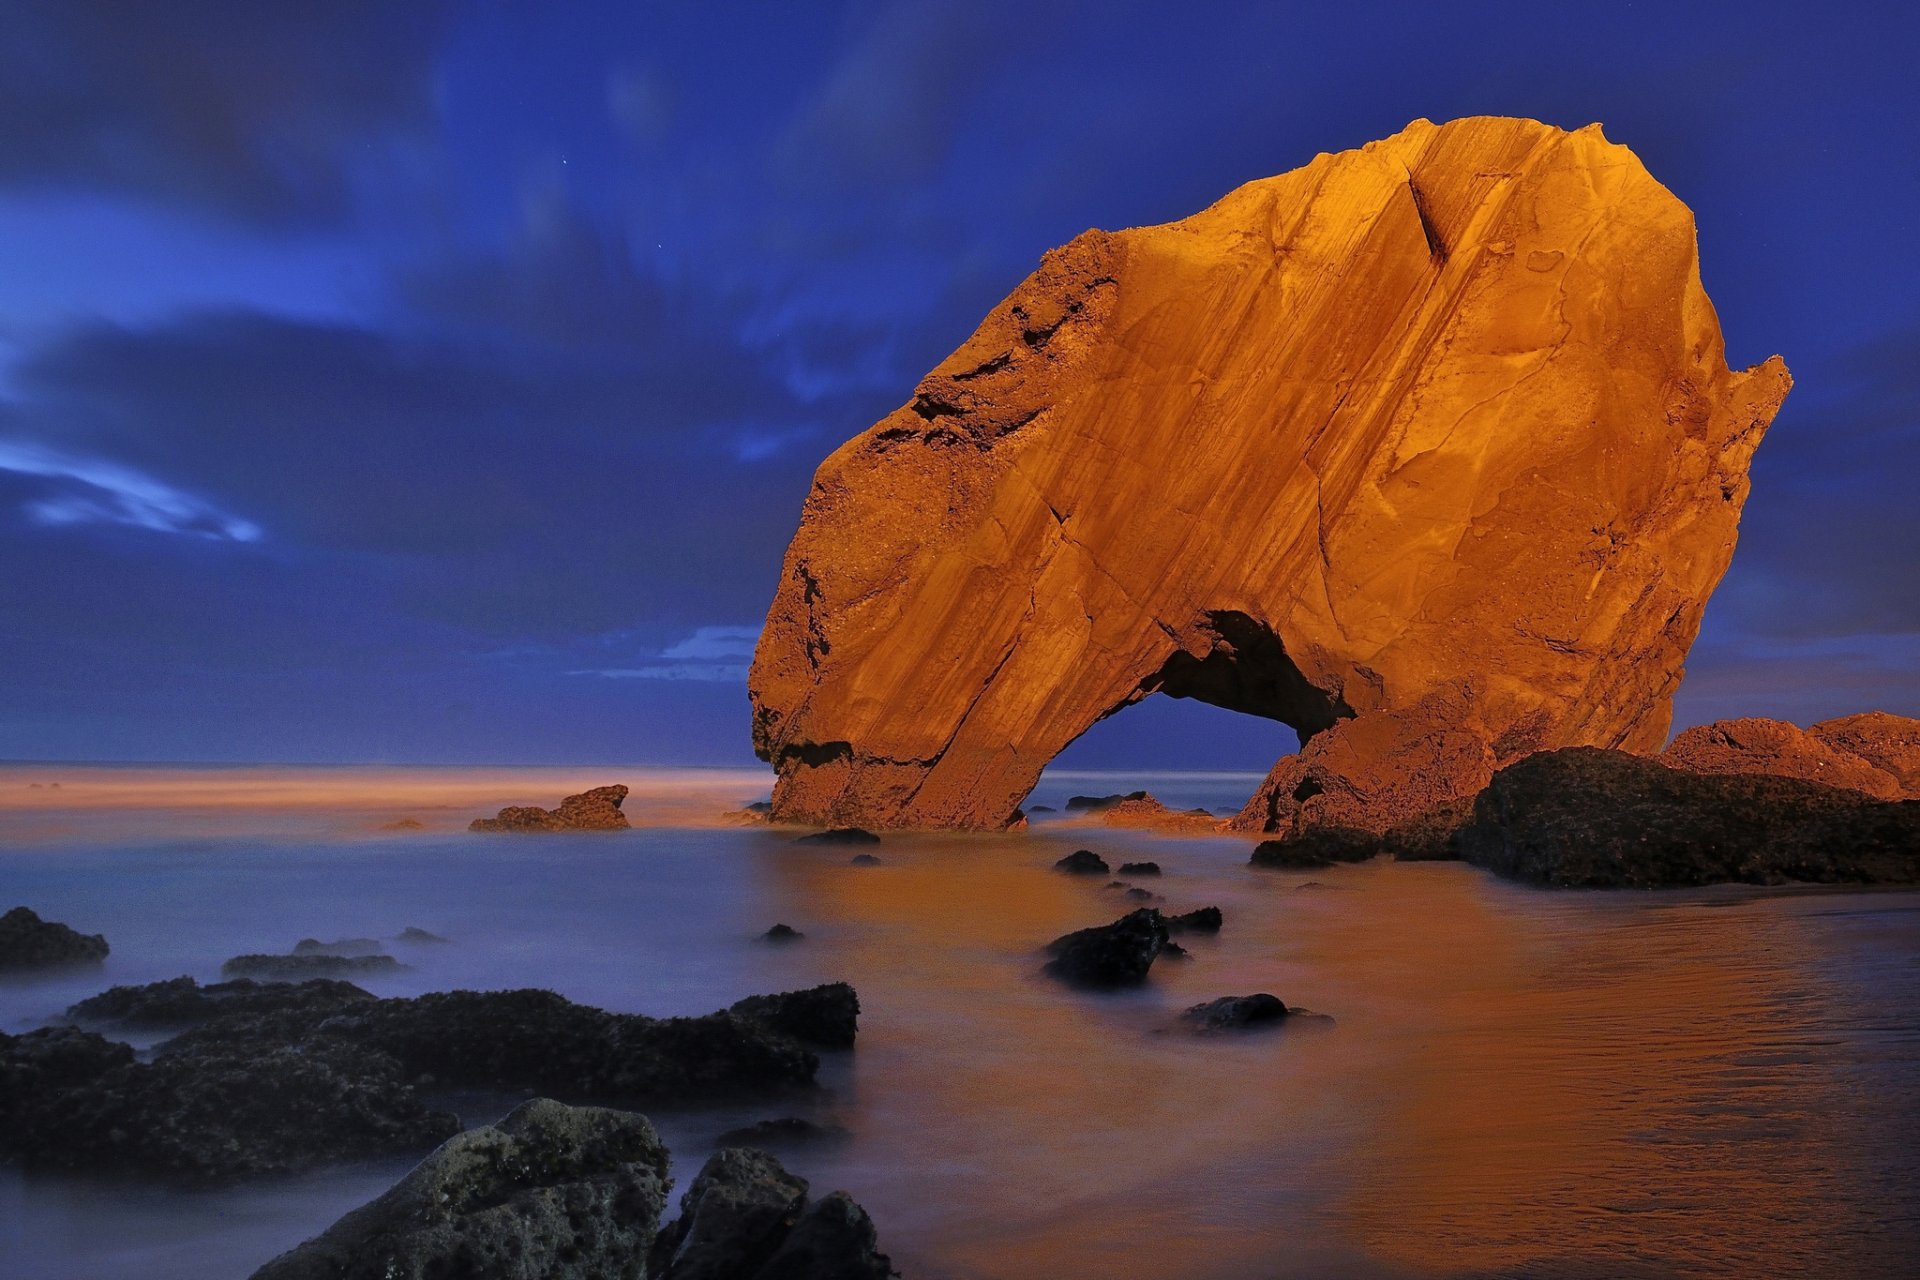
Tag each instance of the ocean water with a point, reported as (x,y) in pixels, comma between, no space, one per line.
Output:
(1518,1082)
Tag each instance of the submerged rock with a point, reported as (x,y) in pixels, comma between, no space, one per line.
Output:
(1083,862)
(863,860)
(1587,817)
(1428,449)
(557,1192)
(338,947)
(827,1016)
(1235,1013)
(1139,868)
(782,933)
(312,964)
(27,943)
(1110,955)
(417,935)
(1202,920)
(744,1217)
(840,835)
(1316,847)
(595,810)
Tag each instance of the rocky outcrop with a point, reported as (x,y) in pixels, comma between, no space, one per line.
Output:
(1146,812)
(27,943)
(595,810)
(1428,450)
(311,964)
(567,1193)
(277,1078)
(1777,749)
(1585,817)
(1887,742)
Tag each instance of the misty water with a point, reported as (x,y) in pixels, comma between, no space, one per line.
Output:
(1518,1082)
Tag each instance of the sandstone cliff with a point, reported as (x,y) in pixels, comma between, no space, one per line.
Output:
(1429,450)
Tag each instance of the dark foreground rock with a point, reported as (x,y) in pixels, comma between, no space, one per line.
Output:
(1110,955)
(1258,1012)
(567,1193)
(28,943)
(276,1078)
(744,1217)
(312,964)
(1316,847)
(1202,920)
(840,835)
(75,1101)
(595,810)
(1083,862)
(182,1002)
(1588,817)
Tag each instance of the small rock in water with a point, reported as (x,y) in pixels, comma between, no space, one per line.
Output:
(1138,894)
(863,860)
(783,933)
(840,835)
(298,968)
(404,824)
(1093,804)
(551,1191)
(1204,920)
(1110,955)
(27,942)
(412,934)
(827,1016)
(1043,808)
(339,947)
(1236,1013)
(1316,847)
(785,1131)
(595,810)
(1139,868)
(1083,862)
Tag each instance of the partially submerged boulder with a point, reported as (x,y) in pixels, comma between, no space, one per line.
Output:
(1585,817)
(1083,862)
(1110,955)
(1258,1012)
(557,1192)
(595,810)
(744,1217)
(28,943)
(1201,920)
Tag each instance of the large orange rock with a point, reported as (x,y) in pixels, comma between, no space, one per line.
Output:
(1780,749)
(1886,741)
(1430,445)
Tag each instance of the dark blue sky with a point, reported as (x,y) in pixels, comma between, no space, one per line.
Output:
(405,381)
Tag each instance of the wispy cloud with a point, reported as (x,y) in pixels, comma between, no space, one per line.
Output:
(101,492)
(710,653)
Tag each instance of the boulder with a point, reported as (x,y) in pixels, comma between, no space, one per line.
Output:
(1889,743)
(1316,847)
(1587,817)
(1139,868)
(744,1217)
(1779,749)
(1236,1013)
(1083,862)
(595,810)
(558,1192)
(840,835)
(312,964)
(1110,955)
(28,943)
(782,933)
(1428,450)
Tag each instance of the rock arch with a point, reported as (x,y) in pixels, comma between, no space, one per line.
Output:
(1429,449)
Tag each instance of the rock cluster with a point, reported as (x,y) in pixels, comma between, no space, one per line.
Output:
(1428,450)
(595,810)
(27,943)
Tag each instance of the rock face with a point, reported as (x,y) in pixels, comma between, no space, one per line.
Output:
(1585,817)
(595,810)
(1887,742)
(569,1193)
(1429,450)
(27,943)
(1779,749)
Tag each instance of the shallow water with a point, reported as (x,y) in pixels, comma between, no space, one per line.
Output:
(1519,1082)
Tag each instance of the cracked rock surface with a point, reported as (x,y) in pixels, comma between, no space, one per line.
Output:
(1428,449)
